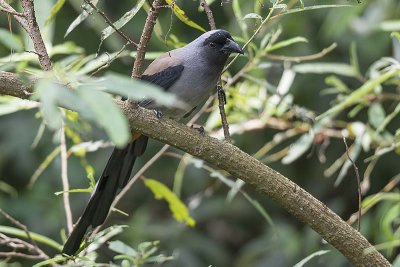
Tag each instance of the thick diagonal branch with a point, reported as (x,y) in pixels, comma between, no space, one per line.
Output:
(272,184)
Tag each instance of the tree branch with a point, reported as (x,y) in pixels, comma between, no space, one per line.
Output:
(34,33)
(209,14)
(19,17)
(145,37)
(239,164)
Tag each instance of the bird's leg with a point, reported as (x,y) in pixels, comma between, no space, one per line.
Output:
(158,113)
(199,128)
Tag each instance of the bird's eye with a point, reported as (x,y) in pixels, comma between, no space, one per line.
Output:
(212,44)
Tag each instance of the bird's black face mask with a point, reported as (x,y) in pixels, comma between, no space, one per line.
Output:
(220,44)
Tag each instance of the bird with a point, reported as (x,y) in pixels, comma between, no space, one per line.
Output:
(191,73)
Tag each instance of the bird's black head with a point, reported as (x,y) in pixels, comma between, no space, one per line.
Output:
(219,42)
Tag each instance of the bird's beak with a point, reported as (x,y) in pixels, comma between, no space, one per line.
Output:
(232,47)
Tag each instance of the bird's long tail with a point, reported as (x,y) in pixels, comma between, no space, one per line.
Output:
(115,176)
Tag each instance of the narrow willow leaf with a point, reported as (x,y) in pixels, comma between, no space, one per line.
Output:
(321,68)
(180,14)
(308,258)
(9,104)
(135,89)
(50,262)
(107,114)
(288,42)
(252,16)
(87,9)
(178,209)
(355,97)
(376,115)
(37,237)
(390,25)
(6,188)
(300,147)
(54,10)
(47,91)
(122,248)
(103,236)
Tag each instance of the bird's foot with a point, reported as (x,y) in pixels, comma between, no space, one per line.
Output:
(158,114)
(199,128)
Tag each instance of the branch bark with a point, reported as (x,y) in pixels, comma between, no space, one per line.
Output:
(145,37)
(34,33)
(272,184)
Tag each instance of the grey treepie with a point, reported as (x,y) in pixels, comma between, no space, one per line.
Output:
(190,72)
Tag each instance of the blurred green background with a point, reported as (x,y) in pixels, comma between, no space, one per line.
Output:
(227,233)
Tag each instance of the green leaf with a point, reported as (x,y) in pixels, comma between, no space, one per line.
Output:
(322,68)
(37,237)
(52,95)
(50,262)
(337,83)
(54,10)
(376,115)
(122,21)
(10,40)
(308,258)
(252,16)
(6,188)
(103,236)
(9,104)
(355,97)
(288,42)
(107,115)
(178,209)
(87,9)
(300,147)
(389,118)
(180,14)
(390,25)
(135,89)
(122,248)
(48,93)
(280,6)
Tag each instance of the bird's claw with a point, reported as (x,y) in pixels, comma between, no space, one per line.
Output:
(199,129)
(158,114)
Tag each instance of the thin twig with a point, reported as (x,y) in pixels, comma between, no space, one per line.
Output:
(110,23)
(21,255)
(145,37)
(393,183)
(271,10)
(220,91)
(221,105)
(34,33)
(358,184)
(25,229)
(111,60)
(209,14)
(21,19)
(64,179)
(304,58)
(11,12)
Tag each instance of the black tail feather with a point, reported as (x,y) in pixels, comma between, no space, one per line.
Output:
(115,176)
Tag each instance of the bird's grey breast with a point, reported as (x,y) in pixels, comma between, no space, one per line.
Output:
(195,84)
